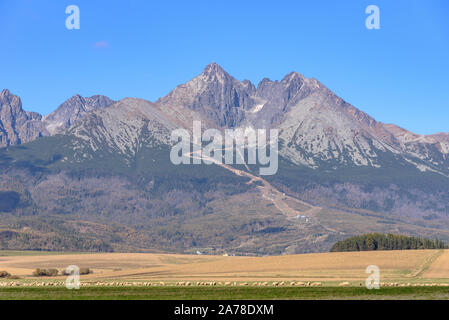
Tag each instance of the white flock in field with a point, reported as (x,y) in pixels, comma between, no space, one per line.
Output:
(203,283)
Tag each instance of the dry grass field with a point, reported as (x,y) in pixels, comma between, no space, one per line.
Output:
(412,267)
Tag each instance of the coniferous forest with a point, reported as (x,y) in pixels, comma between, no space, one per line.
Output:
(379,241)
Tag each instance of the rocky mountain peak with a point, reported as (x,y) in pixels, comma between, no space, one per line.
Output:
(277,96)
(293,77)
(75,97)
(6,98)
(265,82)
(214,94)
(17,125)
(74,109)
(249,85)
(215,73)
(4,93)
(214,68)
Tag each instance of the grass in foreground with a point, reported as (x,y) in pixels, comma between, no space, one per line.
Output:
(220,293)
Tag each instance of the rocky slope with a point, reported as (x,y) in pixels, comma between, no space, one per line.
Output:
(72,110)
(18,126)
(215,95)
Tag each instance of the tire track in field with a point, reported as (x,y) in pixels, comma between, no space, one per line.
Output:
(425,264)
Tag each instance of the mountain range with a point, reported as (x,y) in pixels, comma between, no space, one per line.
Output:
(19,126)
(95,173)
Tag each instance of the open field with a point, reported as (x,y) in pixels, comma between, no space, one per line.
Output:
(404,274)
(400,266)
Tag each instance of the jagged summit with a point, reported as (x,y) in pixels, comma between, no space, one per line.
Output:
(5,92)
(17,125)
(6,97)
(214,68)
(215,95)
(72,110)
(215,73)
(293,76)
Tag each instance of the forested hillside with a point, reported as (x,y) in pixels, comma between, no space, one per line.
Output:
(379,241)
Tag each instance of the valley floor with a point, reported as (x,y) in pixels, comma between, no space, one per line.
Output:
(420,274)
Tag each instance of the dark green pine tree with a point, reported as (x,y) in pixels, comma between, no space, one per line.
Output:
(379,241)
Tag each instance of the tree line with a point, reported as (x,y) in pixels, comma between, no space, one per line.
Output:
(379,241)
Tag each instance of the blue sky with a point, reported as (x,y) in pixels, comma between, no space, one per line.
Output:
(398,74)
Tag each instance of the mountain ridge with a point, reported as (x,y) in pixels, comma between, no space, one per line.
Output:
(106,181)
(315,125)
(19,126)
